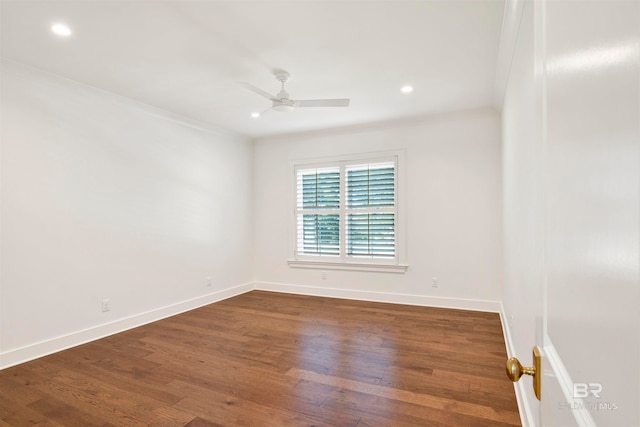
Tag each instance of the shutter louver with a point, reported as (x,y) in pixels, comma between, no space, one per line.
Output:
(320,189)
(371,235)
(320,234)
(371,187)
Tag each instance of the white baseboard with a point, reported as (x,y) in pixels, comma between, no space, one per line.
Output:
(526,412)
(421,300)
(53,345)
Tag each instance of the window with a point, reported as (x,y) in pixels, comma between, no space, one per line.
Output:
(346,212)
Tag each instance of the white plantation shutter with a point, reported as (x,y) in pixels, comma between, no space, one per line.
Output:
(371,190)
(347,211)
(318,211)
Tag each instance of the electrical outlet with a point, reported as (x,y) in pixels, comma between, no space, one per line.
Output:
(434,282)
(209,281)
(323,275)
(106,305)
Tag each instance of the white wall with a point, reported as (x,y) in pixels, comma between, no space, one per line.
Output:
(103,197)
(453,209)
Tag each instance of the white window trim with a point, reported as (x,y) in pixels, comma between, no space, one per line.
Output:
(398,264)
(352,266)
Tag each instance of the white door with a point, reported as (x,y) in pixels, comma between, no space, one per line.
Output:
(589,63)
(571,138)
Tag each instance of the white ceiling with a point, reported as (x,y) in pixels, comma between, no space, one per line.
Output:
(187,56)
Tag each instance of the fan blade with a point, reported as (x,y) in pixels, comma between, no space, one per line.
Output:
(322,103)
(265,111)
(257,90)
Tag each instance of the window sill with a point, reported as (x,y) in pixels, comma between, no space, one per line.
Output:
(352,266)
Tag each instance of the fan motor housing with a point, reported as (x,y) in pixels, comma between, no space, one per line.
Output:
(283,105)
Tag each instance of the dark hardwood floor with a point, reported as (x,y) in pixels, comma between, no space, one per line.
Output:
(270,359)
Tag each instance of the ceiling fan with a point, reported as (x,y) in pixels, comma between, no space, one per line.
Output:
(282,102)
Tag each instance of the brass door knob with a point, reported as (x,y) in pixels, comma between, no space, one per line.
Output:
(515,370)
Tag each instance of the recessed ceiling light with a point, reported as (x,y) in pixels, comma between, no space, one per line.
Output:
(406,89)
(61,30)
(255,115)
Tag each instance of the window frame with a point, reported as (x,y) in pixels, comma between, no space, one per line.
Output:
(397,264)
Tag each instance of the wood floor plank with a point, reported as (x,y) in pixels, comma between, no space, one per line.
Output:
(284,410)
(202,422)
(425,400)
(270,359)
(66,415)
